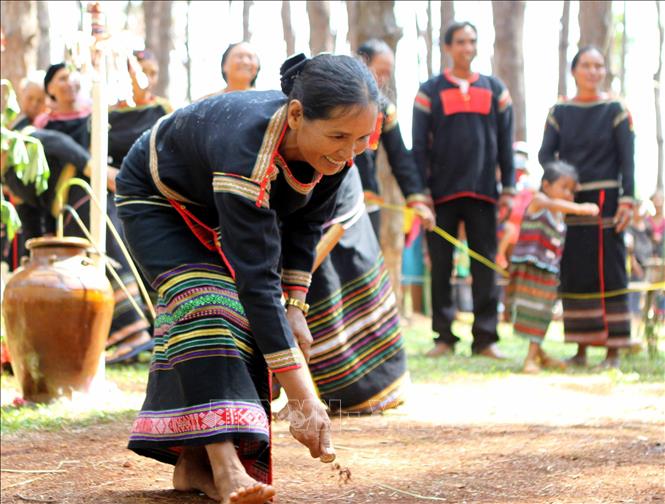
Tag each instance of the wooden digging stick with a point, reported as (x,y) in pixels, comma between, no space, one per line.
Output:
(328,241)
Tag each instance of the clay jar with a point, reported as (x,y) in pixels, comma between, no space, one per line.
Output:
(57,310)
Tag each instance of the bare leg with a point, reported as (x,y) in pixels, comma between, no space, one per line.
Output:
(231,480)
(579,359)
(549,362)
(193,473)
(531,364)
(611,359)
(417,298)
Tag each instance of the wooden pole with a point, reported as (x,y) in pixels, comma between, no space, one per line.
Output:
(99,159)
(99,156)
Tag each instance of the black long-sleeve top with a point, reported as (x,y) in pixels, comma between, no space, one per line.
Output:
(219,158)
(402,165)
(597,139)
(460,138)
(65,159)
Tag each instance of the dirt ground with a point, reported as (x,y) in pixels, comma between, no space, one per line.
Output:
(515,439)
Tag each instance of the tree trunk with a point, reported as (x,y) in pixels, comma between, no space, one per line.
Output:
(128,13)
(447,18)
(287,28)
(656,95)
(624,47)
(508,61)
(377,20)
(188,54)
(246,7)
(19,23)
(428,38)
(158,22)
(44,47)
(320,36)
(595,19)
(563,49)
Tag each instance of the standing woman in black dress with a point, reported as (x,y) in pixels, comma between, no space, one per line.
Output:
(594,133)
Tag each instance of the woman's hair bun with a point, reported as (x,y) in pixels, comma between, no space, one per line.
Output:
(290,70)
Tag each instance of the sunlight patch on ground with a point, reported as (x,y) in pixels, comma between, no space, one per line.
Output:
(546,400)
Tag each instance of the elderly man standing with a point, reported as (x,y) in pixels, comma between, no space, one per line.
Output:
(462,130)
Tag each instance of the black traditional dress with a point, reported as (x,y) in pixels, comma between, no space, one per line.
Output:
(387,133)
(357,360)
(597,139)
(126,124)
(221,225)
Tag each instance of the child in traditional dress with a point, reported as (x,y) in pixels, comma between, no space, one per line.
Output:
(535,260)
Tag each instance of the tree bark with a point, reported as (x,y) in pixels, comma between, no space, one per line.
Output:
(158,23)
(508,61)
(595,19)
(563,49)
(287,28)
(188,55)
(447,18)
(246,32)
(320,36)
(19,23)
(428,38)
(426,34)
(377,20)
(656,95)
(44,47)
(624,47)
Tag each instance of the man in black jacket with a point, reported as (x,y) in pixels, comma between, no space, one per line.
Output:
(462,129)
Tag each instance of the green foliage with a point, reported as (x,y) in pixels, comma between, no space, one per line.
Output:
(9,217)
(58,416)
(24,155)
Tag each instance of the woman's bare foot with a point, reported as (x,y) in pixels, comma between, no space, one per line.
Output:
(550,362)
(579,359)
(231,480)
(531,366)
(193,473)
(259,493)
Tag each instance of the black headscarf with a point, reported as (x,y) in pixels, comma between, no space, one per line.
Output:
(50,73)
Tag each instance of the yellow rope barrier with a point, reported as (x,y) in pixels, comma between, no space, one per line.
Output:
(494,266)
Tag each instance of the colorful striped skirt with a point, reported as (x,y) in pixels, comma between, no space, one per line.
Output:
(358,361)
(208,381)
(532,293)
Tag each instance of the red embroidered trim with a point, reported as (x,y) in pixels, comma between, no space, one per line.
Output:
(205,234)
(445,199)
(294,287)
(476,101)
(301,187)
(231,419)
(424,102)
(288,368)
(601,259)
(271,168)
(376,134)
(451,78)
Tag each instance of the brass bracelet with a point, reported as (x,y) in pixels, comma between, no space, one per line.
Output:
(301,305)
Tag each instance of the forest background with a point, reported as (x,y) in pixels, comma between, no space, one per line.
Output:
(529,45)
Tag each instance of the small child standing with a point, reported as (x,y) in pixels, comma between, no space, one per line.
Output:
(534,268)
